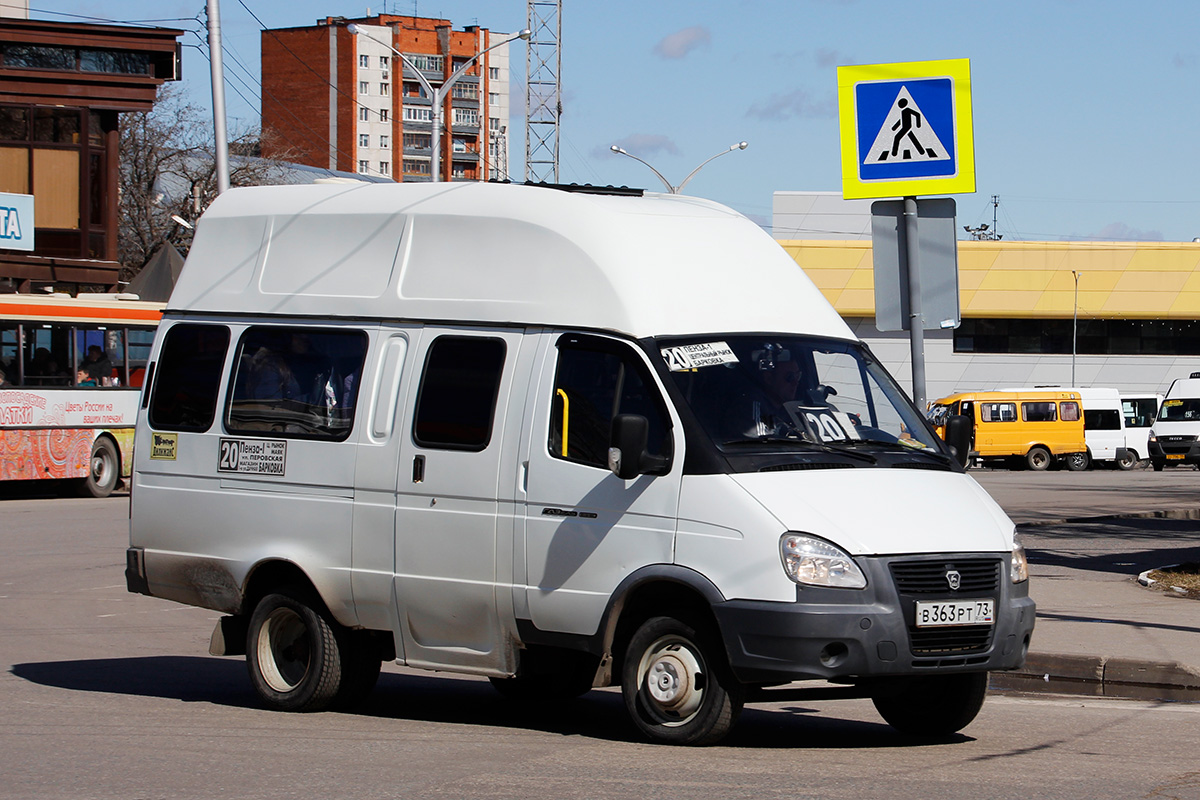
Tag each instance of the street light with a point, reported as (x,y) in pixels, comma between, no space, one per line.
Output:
(438,95)
(679,188)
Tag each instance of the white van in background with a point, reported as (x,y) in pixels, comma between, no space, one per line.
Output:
(1103,428)
(560,439)
(1175,437)
(1140,411)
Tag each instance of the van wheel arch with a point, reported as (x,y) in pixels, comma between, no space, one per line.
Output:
(269,577)
(663,591)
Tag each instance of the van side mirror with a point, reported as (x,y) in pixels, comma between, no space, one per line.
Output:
(627,456)
(958,436)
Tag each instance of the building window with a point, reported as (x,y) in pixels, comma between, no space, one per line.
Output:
(413,89)
(364,167)
(364,140)
(364,87)
(494,73)
(493,99)
(383,142)
(494,123)
(466,116)
(383,115)
(416,167)
(418,114)
(364,61)
(364,115)
(384,62)
(383,90)
(424,62)
(1114,337)
(385,168)
(417,141)
(464,91)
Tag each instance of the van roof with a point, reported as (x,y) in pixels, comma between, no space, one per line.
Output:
(1015,395)
(497,253)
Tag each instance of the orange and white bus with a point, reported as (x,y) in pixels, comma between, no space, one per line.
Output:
(72,374)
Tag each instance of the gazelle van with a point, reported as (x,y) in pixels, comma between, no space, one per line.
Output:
(562,440)
(1174,439)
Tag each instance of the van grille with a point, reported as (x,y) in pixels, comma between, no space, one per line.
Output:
(926,580)
(929,577)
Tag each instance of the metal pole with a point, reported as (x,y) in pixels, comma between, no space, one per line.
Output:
(218,94)
(916,329)
(1074,327)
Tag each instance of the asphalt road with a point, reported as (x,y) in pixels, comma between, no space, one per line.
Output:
(105,694)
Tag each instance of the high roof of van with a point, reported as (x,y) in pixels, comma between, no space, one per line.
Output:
(1013,395)
(497,253)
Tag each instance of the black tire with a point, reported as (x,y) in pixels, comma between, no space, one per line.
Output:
(1078,462)
(676,685)
(293,655)
(104,469)
(1128,461)
(932,706)
(1038,459)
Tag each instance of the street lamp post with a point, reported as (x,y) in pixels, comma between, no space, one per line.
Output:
(438,95)
(1074,327)
(679,188)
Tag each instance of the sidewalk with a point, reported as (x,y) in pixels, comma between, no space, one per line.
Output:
(1104,634)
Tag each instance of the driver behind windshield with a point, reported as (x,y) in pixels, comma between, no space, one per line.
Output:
(760,411)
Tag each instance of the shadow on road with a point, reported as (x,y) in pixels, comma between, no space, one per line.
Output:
(599,714)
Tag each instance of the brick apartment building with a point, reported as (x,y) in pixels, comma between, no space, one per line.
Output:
(342,100)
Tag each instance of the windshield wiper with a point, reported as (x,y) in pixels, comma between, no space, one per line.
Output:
(897,447)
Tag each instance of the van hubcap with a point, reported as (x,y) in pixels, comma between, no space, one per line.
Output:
(674,678)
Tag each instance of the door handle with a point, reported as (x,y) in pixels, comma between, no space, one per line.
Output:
(418,473)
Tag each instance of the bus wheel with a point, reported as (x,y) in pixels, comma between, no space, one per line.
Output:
(1128,460)
(1038,458)
(1078,462)
(676,686)
(293,654)
(103,469)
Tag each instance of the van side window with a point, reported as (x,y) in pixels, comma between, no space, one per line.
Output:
(188,378)
(591,386)
(1069,412)
(1040,412)
(297,383)
(998,412)
(456,405)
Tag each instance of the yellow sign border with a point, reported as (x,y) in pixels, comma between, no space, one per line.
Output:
(959,72)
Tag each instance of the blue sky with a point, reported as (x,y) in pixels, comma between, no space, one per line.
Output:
(1087,112)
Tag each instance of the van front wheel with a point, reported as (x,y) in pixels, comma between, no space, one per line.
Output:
(1038,459)
(931,706)
(292,654)
(1078,462)
(676,685)
(1128,460)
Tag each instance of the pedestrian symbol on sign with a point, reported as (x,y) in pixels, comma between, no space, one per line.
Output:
(904,136)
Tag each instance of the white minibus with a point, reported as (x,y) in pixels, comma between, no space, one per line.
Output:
(562,440)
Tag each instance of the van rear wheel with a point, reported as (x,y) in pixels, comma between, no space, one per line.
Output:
(1038,458)
(1078,462)
(931,706)
(1128,460)
(292,654)
(676,686)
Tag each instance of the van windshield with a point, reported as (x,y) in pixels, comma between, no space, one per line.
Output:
(751,389)
(1180,410)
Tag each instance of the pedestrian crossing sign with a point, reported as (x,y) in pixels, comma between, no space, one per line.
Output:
(906,129)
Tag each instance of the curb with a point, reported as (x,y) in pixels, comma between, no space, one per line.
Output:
(1102,676)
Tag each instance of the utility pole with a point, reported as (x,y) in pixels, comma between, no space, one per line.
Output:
(543,90)
(983,233)
(221,154)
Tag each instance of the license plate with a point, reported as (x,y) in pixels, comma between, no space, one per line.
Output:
(955,612)
(1175,456)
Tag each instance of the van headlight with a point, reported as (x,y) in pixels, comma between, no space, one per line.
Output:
(1019,570)
(1151,436)
(815,562)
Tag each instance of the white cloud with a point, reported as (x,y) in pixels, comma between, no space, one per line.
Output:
(681,43)
(642,145)
(799,104)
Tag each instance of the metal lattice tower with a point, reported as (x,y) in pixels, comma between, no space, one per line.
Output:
(543,92)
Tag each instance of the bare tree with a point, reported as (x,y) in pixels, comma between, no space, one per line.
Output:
(168,172)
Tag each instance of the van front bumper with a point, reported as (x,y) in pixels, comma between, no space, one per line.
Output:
(1174,450)
(844,634)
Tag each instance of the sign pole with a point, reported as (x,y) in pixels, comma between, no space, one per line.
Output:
(916,326)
